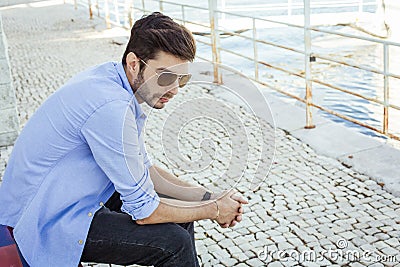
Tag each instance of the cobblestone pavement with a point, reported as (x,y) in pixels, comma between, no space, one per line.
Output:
(307,204)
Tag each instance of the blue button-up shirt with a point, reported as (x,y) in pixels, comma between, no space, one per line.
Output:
(80,146)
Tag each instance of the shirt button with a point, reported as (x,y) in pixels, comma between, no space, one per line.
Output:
(90,214)
(101,204)
(80,242)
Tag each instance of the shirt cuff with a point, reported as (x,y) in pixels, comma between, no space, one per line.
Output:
(144,210)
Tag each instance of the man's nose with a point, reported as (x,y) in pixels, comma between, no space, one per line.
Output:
(174,90)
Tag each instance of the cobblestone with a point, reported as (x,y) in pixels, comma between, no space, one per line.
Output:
(307,201)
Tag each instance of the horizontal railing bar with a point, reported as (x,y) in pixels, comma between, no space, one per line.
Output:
(203,42)
(261,19)
(281,69)
(298,6)
(343,2)
(370,39)
(354,94)
(356,121)
(322,83)
(326,110)
(194,23)
(285,7)
(203,58)
(234,53)
(315,80)
(279,90)
(375,40)
(314,54)
(185,5)
(327,84)
(262,41)
(357,67)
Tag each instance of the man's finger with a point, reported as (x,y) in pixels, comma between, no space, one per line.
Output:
(233,223)
(239,198)
(239,218)
(240,210)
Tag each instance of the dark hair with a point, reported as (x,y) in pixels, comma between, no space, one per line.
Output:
(157,32)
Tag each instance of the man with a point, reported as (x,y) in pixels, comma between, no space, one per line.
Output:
(79,185)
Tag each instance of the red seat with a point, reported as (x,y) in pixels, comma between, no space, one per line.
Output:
(10,256)
(9,252)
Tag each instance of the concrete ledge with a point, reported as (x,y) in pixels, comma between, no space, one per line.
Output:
(7,139)
(8,120)
(2,46)
(9,124)
(360,152)
(290,117)
(335,140)
(7,97)
(5,75)
(382,163)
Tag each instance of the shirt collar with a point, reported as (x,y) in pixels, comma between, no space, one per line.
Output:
(125,84)
(124,79)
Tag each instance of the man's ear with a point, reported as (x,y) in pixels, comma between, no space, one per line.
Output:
(132,63)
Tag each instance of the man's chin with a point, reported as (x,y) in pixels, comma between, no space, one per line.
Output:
(159,105)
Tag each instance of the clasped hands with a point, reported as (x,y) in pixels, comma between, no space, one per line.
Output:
(230,207)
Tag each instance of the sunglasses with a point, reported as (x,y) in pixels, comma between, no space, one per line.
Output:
(167,78)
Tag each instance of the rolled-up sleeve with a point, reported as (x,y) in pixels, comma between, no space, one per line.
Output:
(112,135)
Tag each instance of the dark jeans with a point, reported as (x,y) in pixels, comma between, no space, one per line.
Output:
(115,238)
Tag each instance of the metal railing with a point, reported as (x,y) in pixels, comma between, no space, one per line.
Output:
(127,8)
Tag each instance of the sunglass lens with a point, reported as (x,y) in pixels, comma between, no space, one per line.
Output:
(166,78)
(184,80)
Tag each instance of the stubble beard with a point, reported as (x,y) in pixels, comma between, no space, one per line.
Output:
(143,91)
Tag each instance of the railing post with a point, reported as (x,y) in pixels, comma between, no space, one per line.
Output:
(126,14)
(75,4)
(223,7)
(161,6)
(255,50)
(131,14)
(107,14)
(385,89)
(212,7)
(116,10)
(183,15)
(143,7)
(307,61)
(90,9)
